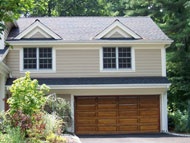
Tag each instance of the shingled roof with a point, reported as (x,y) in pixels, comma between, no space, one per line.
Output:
(86,28)
(3,51)
(99,80)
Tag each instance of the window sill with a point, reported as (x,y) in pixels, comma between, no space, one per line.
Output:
(38,71)
(117,70)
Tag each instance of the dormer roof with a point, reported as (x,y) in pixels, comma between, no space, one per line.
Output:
(37,30)
(117,30)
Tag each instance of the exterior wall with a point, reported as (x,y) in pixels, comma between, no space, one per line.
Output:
(86,63)
(87,92)
(2,91)
(2,43)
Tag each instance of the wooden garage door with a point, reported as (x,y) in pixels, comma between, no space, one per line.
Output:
(117,114)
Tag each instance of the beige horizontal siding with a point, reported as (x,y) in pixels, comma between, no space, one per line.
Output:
(85,63)
(115,92)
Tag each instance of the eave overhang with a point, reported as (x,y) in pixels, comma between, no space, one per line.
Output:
(71,42)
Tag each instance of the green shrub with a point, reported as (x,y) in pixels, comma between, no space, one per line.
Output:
(5,121)
(37,129)
(59,106)
(53,138)
(26,95)
(13,135)
(54,124)
(178,121)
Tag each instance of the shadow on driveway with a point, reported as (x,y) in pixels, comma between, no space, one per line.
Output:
(134,138)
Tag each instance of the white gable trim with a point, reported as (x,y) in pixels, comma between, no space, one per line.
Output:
(37,24)
(119,25)
(120,31)
(36,30)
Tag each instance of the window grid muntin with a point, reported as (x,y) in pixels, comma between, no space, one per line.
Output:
(109,58)
(45,58)
(49,60)
(29,58)
(123,58)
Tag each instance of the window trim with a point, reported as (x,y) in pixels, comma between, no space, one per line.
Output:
(132,69)
(38,70)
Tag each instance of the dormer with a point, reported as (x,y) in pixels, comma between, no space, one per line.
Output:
(38,31)
(117,30)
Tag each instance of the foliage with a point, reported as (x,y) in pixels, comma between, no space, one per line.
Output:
(188,118)
(26,117)
(26,95)
(178,121)
(11,10)
(70,8)
(37,130)
(53,138)
(13,135)
(19,119)
(60,106)
(54,124)
(4,121)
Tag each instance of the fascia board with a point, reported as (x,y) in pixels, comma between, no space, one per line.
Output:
(72,42)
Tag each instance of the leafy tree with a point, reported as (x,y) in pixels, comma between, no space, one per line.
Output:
(70,8)
(11,10)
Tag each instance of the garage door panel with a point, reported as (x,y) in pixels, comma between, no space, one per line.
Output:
(117,114)
(107,100)
(107,121)
(149,99)
(126,113)
(86,100)
(86,107)
(149,106)
(107,128)
(133,121)
(147,112)
(107,114)
(128,100)
(128,106)
(107,106)
(130,128)
(86,114)
(149,128)
(151,120)
(86,122)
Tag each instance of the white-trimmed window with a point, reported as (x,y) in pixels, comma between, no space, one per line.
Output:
(37,58)
(117,58)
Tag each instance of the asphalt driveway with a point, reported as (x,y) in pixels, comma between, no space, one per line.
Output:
(135,138)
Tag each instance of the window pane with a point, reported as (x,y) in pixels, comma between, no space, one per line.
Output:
(124,58)
(45,58)
(30,58)
(109,58)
